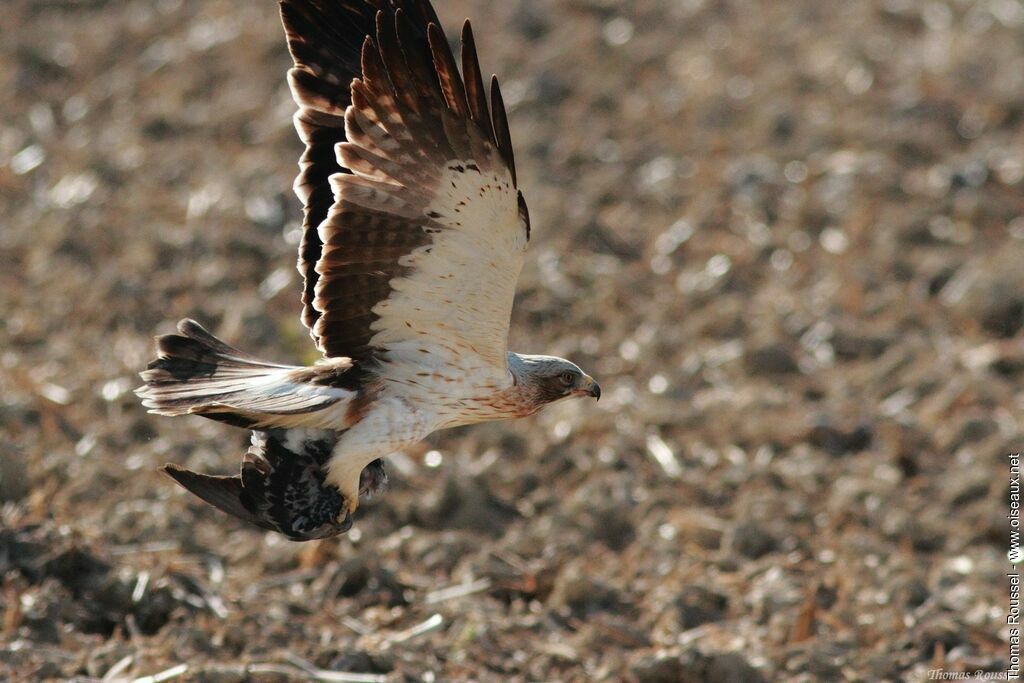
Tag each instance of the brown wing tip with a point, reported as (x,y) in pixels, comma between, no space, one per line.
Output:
(193,480)
(223,493)
(502,136)
(434,32)
(176,472)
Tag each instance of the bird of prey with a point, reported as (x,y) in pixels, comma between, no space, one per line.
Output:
(414,236)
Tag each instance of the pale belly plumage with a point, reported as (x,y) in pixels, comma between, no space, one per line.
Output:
(410,406)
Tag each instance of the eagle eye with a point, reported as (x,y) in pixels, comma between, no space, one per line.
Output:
(567,378)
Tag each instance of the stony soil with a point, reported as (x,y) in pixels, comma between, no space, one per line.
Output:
(787,237)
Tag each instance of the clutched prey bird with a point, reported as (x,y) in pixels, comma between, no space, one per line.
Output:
(414,236)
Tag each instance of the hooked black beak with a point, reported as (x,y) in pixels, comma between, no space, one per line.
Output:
(590,387)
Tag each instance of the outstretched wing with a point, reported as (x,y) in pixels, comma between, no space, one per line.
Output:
(421,247)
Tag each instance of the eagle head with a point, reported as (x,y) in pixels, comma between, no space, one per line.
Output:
(546,379)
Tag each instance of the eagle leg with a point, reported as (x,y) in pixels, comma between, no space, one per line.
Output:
(373,479)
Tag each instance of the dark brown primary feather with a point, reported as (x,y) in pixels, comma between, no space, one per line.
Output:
(412,113)
(447,73)
(500,121)
(324,39)
(476,96)
(224,493)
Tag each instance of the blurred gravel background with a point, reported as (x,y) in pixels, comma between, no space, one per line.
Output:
(787,237)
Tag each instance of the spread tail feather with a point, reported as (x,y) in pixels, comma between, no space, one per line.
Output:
(196,373)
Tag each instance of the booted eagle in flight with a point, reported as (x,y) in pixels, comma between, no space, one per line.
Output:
(413,239)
